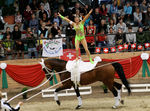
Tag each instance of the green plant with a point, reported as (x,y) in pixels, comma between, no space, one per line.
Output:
(8,10)
(25,94)
(24,89)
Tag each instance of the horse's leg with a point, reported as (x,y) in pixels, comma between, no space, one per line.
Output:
(59,89)
(119,86)
(78,96)
(109,84)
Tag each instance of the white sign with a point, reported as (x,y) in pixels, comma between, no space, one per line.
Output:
(52,48)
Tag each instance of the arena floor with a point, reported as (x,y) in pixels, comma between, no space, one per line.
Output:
(135,103)
(97,101)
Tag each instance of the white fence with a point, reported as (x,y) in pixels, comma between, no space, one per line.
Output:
(4,96)
(67,92)
(137,88)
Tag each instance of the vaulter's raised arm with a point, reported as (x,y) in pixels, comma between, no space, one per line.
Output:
(66,19)
(87,16)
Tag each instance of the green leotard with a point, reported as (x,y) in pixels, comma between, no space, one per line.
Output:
(79,32)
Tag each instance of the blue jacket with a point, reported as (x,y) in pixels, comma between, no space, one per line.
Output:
(128,10)
(113,9)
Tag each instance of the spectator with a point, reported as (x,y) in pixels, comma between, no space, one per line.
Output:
(111,25)
(148,35)
(143,8)
(121,25)
(60,35)
(2,23)
(8,32)
(33,24)
(47,7)
(134,6)
(70,33)
(103,11)
(34,6)
(141,36)
(50,36)
(78,14)
(77,7)
(1,36)
(113,8)
(96,17)
(130,37)
(18,19)
(120,37)
(43,30)
(137,17)
(54,29)
(40,42)
(22,5)
(102,26)
(90,41)
(147,17)
(111,37)
(42,11)
(63,11)
(27,16)
(57,19)
(114,17)
(31,43)
(45,19)
(101,39)
(86,9)
(18,45)
(128,12)
(55,4)
(1,51)
(8,45)
(91,27)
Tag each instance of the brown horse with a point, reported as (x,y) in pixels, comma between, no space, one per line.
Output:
(104,74)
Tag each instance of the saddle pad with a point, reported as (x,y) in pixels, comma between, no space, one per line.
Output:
(83,66)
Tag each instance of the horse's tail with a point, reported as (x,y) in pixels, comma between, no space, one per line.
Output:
(119,69)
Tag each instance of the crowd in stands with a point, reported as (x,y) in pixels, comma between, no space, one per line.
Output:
(109,25)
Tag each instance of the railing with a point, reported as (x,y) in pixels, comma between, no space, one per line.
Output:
(9,47)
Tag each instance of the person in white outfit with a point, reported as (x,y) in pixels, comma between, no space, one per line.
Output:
(4,106)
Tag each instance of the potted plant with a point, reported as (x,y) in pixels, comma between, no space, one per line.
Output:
(105,88)
(8,12)
(25,94)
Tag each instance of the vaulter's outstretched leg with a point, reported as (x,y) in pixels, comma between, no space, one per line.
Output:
(84,43)
(77,43)
(78,97)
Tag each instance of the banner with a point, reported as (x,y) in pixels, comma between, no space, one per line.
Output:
(52,48)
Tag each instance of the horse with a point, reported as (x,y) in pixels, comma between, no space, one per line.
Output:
(105,74)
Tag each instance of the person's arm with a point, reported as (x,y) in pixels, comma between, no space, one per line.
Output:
(66,19)
(87,16)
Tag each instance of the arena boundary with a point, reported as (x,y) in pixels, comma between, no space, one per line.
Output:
(67,92)
(137,88)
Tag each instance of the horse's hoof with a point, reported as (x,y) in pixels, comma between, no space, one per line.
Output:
(122,101)
(114,107)
(78,107)
(58,102)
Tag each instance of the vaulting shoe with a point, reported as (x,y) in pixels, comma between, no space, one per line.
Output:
(91,61)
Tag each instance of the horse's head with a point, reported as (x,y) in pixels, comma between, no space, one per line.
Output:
(50,65)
